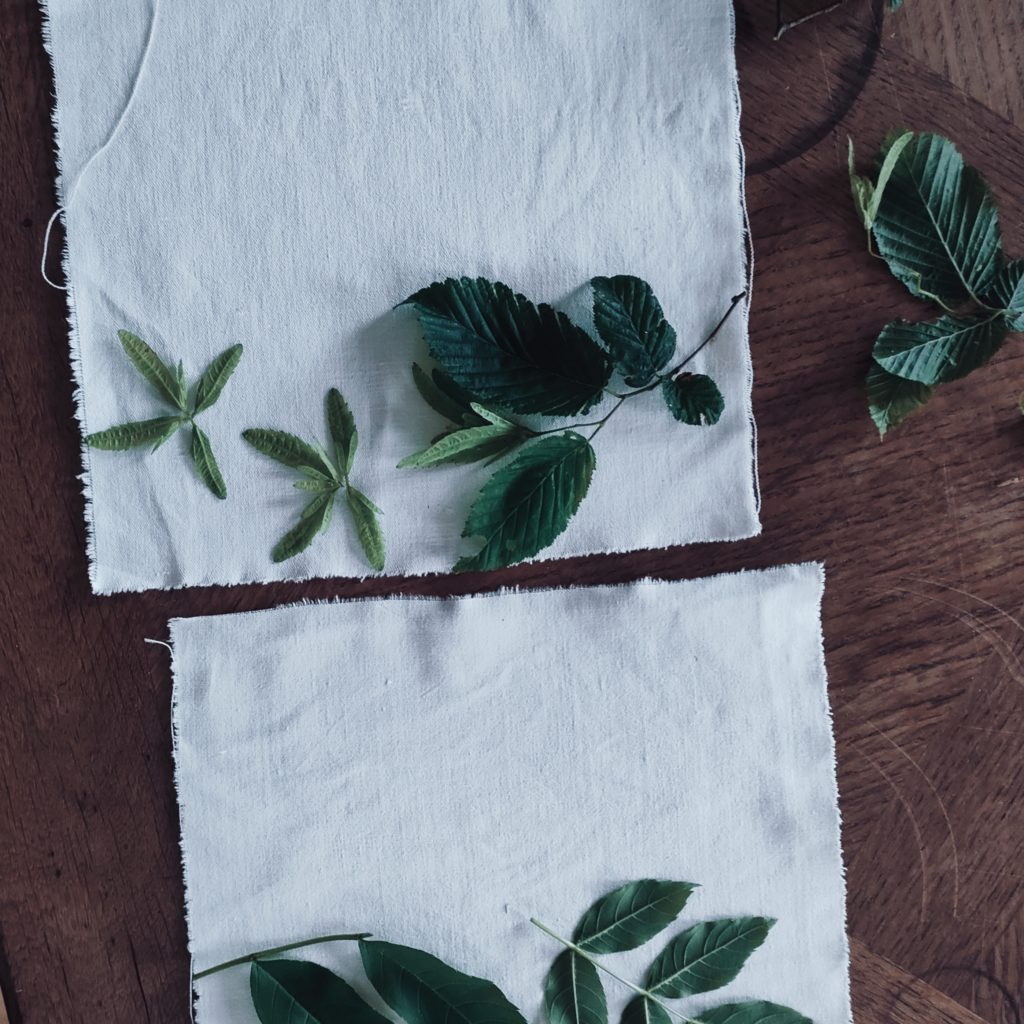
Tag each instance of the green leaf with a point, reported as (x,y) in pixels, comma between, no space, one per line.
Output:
(933,353)
(756,1012)
(631,915)
(315,517)
(342,426)
(645,1011)
(706,956)
(132,435)
(318,484)
(289,450)
(300,992)
(867,195)
(424,990)
(505,350)
(445,397)
(631,323)
(1007,292)
(937,225)
(573,992)
(206,464)
(364,515)
(529,502)
(469,445)
(212,382)
(490,416)
(892,399)
(161,377)
(694,398)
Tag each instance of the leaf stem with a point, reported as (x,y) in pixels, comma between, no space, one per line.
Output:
(601,967)
(782,27)
(249,957)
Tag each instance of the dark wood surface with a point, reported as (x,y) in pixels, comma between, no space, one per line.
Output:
(921,535)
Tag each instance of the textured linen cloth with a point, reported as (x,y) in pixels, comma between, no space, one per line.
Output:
(439,771)
(282,174)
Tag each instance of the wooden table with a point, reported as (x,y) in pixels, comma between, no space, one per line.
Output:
(921,535)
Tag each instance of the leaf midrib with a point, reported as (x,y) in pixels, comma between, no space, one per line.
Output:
(615,924)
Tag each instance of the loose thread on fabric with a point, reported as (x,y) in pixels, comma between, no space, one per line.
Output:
(65,202)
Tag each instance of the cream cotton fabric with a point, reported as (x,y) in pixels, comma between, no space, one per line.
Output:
(439,771)
(282,174)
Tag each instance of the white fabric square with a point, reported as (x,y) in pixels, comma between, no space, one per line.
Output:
(281,175)
(439,771)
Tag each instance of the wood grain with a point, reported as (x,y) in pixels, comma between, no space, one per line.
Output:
(924,612)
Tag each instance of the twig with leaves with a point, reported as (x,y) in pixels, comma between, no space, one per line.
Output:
(325,478)
(501,354)
(935,223)
(423,989)
(171,387)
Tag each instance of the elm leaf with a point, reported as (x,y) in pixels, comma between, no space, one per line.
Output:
(206,464)
(135,434)
(706,956)
(505,350)
(945,350)
(217,374)
(422,989)
(300,992)
(631,323)
(164,381)
(630,915)
(573,992)
(529,502)
(937,225)
(754,1012)
(1007,291)
(892,399)
(694,398)
(364,515)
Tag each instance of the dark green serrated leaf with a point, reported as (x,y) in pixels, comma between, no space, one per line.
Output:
(289,450)
(462,446)
(631,915)
(755,1012)
(424,990)
(892,399)
(573,992)
(217,374)
(529,502)
(506,351)
(706,956)
(206,464)
(161,377)
(937,225)
(631,323)
(1007,292)
(445,397)
(314,518)
(933,353)
(132,435)
(300,992)
(342,426)
(642,1010)
(694,398)
(364,515)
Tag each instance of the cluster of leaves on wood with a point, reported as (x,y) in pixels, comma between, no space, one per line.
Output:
(325,478)
(935,223)
(500,355)
(172,389)
(421,989)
